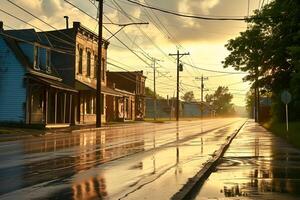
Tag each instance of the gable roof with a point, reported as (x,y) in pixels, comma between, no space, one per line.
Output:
(24,34)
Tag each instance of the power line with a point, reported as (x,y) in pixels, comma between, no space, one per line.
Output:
(215,71)
(186,15)
(145,34)
(23,9)
(18,18)
(107,30)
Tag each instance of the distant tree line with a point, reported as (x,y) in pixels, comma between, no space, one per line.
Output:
(219,101)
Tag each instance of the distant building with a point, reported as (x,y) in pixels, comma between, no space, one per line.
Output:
(166,108)
(31,91)
(131,86)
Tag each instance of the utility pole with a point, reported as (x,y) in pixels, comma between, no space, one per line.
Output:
(179,68)
(154,86)
(256,96)
(99,61)
(202,92)
(99,68)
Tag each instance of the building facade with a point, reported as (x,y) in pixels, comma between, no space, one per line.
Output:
(53,76)
(131,86)
(31,91)
(79,69)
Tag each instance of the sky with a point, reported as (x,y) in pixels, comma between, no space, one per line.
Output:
(164,34)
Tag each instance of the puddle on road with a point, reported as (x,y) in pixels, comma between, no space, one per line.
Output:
(257,167)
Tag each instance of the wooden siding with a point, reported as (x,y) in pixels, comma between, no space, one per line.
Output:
(27,50)
(12,86)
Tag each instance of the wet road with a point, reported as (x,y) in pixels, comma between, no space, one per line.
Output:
(257,165)
(141,161)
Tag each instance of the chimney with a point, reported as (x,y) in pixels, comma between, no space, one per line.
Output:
(1,26)
(67,21)
(76,25)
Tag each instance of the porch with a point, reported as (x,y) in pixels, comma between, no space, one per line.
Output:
(49,102)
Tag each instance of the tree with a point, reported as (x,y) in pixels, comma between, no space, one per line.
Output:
(220,101)
(188,96)
(250,103)
(150,93)
(269,50)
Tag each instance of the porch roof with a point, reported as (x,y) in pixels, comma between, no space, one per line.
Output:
(51,83)
(105,90)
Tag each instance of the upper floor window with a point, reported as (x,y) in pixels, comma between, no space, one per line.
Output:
(80,61)
(36,62)
(138,86)
(143,87)
(48,61)
(88,64)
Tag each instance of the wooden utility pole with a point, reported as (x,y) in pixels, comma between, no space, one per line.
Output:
(154,86)
(256,96)
(179,68)
(99,67)
(202,79)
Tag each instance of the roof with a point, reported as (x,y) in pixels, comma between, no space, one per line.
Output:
(110,91)
(65,38)
(24,34)
(17,51)
(29,35)
(124,92)
(52,83)
(134,73)
(106,90)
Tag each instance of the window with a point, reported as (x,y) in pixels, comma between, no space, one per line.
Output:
(137,87)
(95,66)
(36,62)
(48,61)
(143,88)
(88,104)
(94,105)
(88,64)
(80,61)
(102,104)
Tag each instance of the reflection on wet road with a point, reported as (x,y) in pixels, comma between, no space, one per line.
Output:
(119,163)
(257,165)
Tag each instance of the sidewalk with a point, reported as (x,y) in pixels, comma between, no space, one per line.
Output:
(11,134)
(257,165)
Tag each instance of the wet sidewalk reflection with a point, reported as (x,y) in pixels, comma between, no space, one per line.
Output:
(257,165)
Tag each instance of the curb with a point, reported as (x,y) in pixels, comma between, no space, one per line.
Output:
(189,189)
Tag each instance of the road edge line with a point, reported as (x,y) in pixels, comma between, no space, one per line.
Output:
(194,184)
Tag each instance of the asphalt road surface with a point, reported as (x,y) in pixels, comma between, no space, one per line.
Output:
(139,161)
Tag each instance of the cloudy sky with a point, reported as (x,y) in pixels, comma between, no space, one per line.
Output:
(204,40)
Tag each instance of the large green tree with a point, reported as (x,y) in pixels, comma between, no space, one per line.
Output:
(220,101)
(188,96)
(269,50)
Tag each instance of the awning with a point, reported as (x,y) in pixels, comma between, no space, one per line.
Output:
(105,90)
(51,83)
